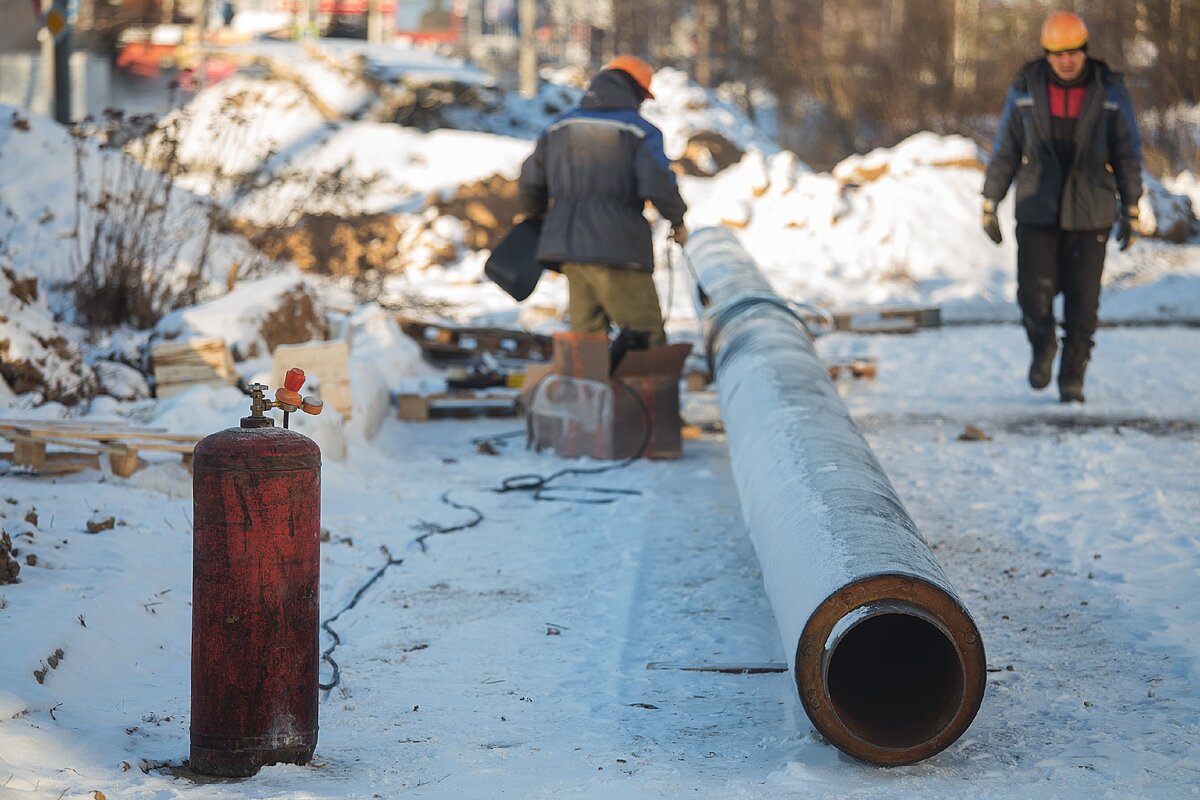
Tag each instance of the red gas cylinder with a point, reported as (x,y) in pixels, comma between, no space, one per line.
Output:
(255,597)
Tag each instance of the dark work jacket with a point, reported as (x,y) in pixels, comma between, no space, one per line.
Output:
(590,175)
(1080,196)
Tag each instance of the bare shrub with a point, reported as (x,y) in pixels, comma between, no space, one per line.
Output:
(128,232)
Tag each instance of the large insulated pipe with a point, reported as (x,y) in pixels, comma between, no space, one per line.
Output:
(888,662)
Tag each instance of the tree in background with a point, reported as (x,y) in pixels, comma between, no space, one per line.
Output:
(853,74)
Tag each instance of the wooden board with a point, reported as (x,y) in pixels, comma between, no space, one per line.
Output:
(83,447)
(416,407)
(180,365)
(887,320)
(326,362)
(59,463)
(444,341)
(855,368)
(95,430)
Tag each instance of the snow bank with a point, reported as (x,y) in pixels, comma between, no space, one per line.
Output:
(46,231)
(37,353)
(254,317)
(901,226)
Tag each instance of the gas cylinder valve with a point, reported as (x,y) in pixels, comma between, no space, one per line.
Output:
(287,398)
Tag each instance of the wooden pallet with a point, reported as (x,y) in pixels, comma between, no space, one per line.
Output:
(178,366)
(458,404)
(81,446)
(854,368)
(887,320)
(442,341)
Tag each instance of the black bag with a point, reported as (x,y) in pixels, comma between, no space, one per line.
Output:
(513,265)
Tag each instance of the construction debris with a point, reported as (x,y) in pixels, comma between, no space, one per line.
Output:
(459,404)
(854,367)
(178,366)
(887,320)
(81,446)
(445,341)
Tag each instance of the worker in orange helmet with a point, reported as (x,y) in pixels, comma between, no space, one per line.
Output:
(1069,139)
(589,176)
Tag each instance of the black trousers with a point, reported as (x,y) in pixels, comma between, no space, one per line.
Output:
(1051,260)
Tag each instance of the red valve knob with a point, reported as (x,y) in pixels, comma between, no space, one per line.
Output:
(294,379)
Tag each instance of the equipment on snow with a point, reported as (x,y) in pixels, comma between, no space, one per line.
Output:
(888,663)
(256,591)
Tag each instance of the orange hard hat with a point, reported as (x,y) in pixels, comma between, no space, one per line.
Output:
(634,67)
(1063,30)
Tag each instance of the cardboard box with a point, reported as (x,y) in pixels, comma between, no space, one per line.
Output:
(582,410)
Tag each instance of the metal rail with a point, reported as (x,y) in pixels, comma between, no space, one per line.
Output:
(888,663)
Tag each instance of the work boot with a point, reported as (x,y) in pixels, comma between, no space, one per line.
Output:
(1070,372)
(1042,365)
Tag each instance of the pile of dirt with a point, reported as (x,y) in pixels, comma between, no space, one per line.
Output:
(707,153)
(9,568)
(279,309)
(36,354)
(328,244)
(297,318)
(486,208)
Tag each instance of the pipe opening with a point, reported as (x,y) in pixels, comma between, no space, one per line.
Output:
(895,679)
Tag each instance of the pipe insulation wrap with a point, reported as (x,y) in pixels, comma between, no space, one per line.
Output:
(889,665)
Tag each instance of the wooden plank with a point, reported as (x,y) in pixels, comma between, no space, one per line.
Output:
(417,408)
(180,365)
(123,461)
(61,463)
(189,373)
(855,368)
(95,447)
(29,453)
(100,434)
(190,349)
(160,447)
(458,341)
(413,407)
(162,391)
(68,423)
(887,320)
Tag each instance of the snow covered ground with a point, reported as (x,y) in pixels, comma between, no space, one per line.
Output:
(510,658)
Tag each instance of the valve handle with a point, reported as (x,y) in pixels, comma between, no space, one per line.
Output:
(288,395)
(287,398)
(294,379)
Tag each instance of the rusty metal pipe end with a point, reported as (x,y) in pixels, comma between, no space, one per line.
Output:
(891,669)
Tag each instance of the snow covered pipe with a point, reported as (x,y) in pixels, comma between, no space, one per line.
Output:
(888,662)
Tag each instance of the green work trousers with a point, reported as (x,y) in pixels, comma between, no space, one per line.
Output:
(600,296)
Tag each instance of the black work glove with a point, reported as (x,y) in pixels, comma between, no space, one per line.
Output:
(1128,229)
(679,234)
(991,223)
